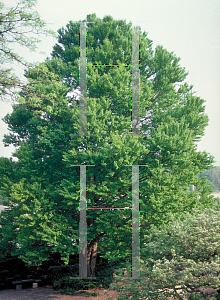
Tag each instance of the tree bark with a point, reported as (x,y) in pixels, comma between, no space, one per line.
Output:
(91,258)
(93,245)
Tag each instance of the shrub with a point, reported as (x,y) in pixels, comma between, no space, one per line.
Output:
(62,281)
(180,260)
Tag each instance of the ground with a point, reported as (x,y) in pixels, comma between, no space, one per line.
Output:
(48,293)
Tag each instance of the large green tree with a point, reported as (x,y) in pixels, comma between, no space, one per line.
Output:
(16,25)
(43,127)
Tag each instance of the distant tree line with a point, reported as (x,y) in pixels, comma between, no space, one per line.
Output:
(213,175)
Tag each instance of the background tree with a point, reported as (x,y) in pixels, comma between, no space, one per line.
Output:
(16,25)
(213,176)
(43,127)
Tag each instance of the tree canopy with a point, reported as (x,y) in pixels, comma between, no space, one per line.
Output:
(44,126)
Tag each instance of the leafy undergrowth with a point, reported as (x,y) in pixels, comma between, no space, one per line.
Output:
(180,260)
(62,281)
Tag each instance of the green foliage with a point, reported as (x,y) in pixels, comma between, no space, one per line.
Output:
(184,255)
(8,176)
(35,231)
(16,24)
(61,278)
(44,125)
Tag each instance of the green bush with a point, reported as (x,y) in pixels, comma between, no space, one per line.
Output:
(62,281)
(178,259)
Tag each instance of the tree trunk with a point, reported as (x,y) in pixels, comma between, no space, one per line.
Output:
(93,245)
(91,258)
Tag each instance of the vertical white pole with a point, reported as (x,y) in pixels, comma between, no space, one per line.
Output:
(82,225)
(82,76)
(135,80)
(135,223)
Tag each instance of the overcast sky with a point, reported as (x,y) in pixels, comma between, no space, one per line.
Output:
(189,28)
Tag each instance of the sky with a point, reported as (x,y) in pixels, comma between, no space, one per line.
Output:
(188,28)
